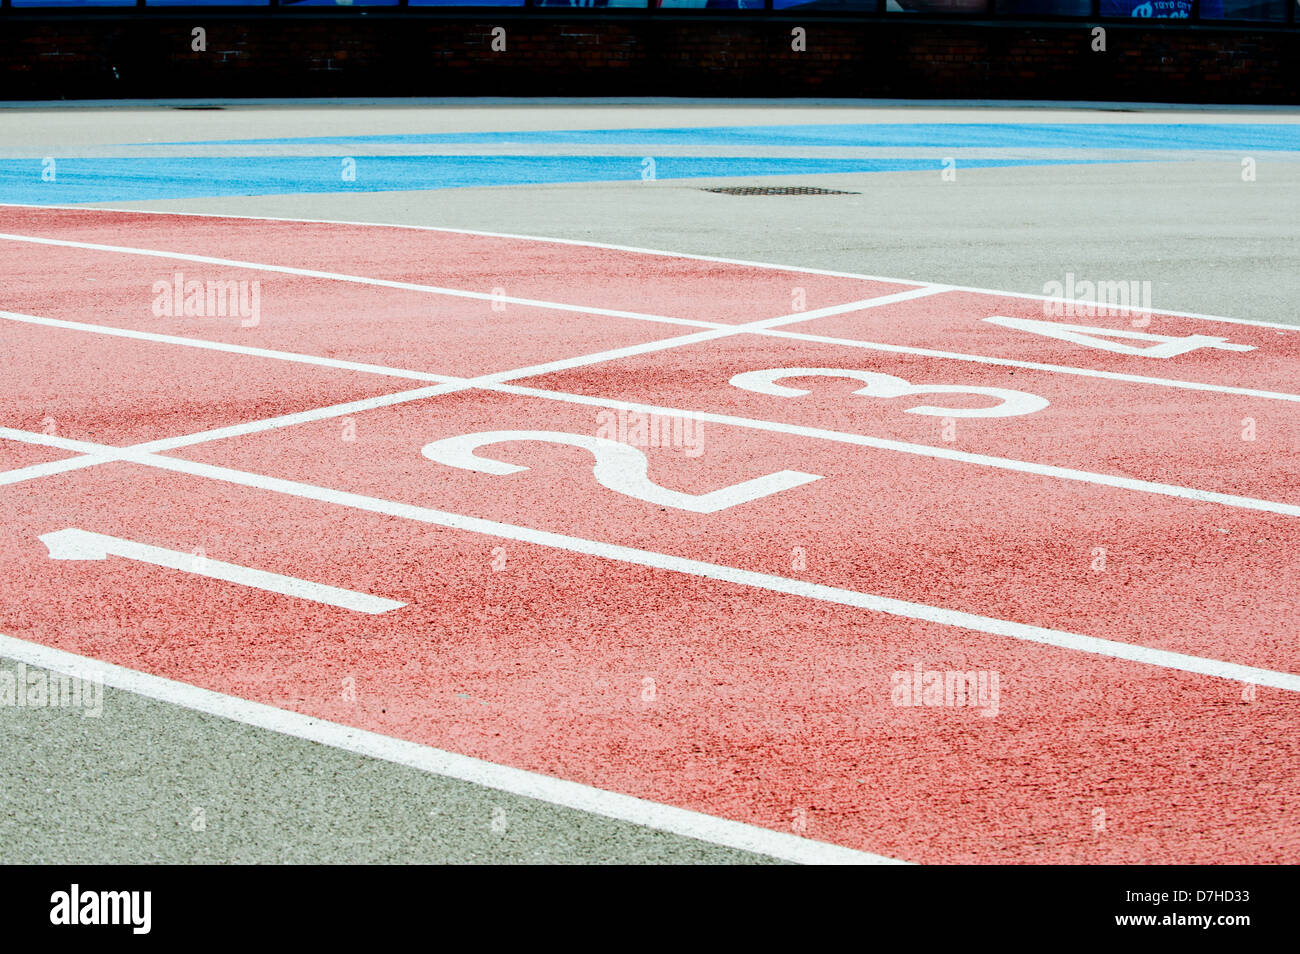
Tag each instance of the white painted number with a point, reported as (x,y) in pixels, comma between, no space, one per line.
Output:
(619,467)
(75,544)
(1103,338)
(1011,403)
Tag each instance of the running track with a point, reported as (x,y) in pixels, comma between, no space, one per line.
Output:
(710,626)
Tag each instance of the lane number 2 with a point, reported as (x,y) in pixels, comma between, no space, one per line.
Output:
(619,467)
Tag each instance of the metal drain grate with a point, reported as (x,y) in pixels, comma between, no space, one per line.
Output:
(778,190)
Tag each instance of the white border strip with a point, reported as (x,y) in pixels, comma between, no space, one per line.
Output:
(542,788)
(645,251)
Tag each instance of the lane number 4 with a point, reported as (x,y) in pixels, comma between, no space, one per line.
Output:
(1112,339)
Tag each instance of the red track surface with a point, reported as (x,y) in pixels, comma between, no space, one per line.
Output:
(765,704)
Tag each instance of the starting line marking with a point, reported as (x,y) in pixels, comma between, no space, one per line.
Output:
(75,544)
(533,785)
(1060,639)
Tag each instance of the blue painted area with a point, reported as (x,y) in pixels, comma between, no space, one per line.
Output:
(125,179)
(1176,136)
(116,180)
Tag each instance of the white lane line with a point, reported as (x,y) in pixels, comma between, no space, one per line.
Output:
(716,331)
(299,417)
(891,298)
(914,292)
(50,468)
(502,778)
(340,277)
(713,331)
(76,544)
(497,383)
(1062,639)
(36,471)
(582,360)
(581,243)
(206,344)
(448,385)
(923,450)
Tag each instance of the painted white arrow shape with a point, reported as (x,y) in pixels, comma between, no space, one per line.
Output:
(74,544)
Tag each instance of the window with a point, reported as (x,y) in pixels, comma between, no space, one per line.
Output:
(937,6)
(713,4)
(1148,9)
(824,4)
(208,3)
(1045,8)
(339,3)
(1243,9)
(74,3)
(467,3)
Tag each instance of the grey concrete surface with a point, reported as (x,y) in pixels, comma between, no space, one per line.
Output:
(1207,241)
(150,783)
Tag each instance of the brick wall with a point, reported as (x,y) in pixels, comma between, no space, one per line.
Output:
(289,54)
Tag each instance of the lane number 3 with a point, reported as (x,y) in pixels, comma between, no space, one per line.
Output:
(1010,403)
